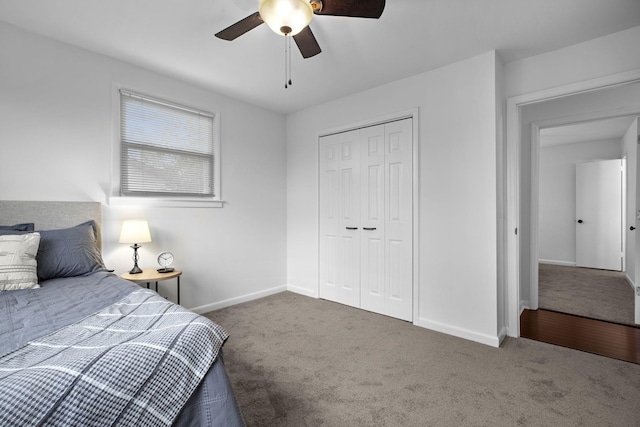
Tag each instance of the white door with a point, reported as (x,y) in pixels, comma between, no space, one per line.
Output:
(373,293)
(599,215)
(399,219)
(329,220)
(366,218)
(387,219)
(339,218)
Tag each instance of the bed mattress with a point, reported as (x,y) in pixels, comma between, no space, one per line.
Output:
(32,315)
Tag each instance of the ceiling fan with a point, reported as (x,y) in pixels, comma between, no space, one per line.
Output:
(292,18)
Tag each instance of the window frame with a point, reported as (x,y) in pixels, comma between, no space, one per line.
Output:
(115,198)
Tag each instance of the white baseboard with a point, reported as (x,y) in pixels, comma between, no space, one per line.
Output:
(524,305)
(629,281)
(493,341)
(502,335)
(303,291)
(556,262)
(237,300)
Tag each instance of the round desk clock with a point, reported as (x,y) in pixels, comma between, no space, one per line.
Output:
(165,259)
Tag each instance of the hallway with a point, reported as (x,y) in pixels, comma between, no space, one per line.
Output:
(597,294)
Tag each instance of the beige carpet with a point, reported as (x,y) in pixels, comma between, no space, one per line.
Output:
(299,361)
(598,294)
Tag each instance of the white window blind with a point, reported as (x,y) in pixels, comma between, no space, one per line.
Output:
(167,150)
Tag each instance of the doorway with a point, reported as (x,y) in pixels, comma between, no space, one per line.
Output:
(580,186)
(591,292)
(568,116)
(591,100)
(580,221)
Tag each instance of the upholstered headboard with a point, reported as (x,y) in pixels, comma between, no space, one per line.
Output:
(51,215)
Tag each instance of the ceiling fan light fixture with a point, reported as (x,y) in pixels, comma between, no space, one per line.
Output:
(286,17)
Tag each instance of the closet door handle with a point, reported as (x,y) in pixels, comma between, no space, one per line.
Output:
(632,228)
(368,228)
(352,228)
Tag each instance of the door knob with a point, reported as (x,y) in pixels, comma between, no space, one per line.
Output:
(579,221)
(632,228)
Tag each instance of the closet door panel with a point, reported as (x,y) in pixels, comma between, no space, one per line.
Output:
(372,140)
(329,217)
(399,219)
(349,222)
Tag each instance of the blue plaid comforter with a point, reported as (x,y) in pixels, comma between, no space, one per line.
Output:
(135,362)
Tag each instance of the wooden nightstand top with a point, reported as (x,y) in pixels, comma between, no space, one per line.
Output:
(151,275)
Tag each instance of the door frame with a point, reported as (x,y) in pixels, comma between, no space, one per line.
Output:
(414,114)
(512,194)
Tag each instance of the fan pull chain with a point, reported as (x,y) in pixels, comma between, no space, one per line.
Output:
(289,48)
(287,61)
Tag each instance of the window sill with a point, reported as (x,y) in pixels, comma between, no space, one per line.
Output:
(166,203)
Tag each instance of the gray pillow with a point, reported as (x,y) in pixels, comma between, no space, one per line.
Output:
(69,252)
(27,226)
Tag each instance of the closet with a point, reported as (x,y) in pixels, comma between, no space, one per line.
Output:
(366,218)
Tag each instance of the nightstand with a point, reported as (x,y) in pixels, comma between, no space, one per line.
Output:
(149,275)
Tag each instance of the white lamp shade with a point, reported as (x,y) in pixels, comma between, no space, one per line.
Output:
(135,231)
(295,14)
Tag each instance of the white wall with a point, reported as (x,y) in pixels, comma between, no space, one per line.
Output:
(458,289)
(604,56)
(56,134)
(557,232)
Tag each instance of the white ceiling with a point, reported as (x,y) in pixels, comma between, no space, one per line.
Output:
(596,130)
(176,38)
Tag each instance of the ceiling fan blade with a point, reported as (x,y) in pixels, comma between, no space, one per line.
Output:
(239,28)
(353,8)
(307,43)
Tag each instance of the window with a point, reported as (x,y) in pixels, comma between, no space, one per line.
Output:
(167,150)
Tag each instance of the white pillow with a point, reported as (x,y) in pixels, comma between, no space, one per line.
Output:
(18,267)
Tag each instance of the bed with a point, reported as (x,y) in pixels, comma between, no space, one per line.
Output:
(81,346)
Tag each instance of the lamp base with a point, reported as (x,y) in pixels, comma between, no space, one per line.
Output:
(135,270)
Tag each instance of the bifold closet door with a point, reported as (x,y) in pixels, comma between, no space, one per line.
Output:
(339,218)
(387,219)
(366,218)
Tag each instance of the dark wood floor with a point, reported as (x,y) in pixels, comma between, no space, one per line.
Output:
(581,333)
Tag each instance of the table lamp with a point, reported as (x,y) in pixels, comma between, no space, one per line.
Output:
(135,231)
